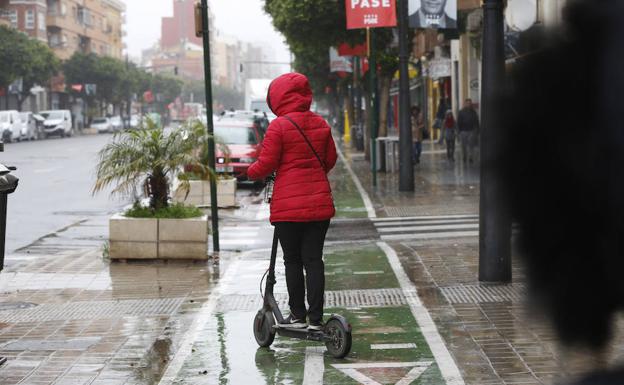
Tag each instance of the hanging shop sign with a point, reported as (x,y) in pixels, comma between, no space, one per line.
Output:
(440,68)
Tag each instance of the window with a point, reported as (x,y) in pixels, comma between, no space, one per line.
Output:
(30,19)
(41,23)
(13,18)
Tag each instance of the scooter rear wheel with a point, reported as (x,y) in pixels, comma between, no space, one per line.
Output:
(339,342)
(263,328)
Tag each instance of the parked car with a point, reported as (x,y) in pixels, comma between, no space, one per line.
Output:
(260,119)
(29,126)
(57,122)
(243,140)
(102,125)
(116,123)
(10,125)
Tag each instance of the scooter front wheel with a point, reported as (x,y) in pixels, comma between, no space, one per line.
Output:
(338,341)
(263,328)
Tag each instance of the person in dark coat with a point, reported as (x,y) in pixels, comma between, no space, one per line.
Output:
(302,203)
(468,127)
(564,177)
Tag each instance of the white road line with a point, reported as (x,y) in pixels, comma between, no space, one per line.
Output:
(186,345)
(368,272)
(413,375)
(416,223)
(448,234)
(314,366)
(359,377)
(370,210)
(443,357)
(428,228)
(410,345)
(426,217)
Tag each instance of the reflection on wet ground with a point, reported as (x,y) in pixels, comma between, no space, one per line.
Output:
(97,322)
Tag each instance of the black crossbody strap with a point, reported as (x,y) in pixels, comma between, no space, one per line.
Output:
(307,141)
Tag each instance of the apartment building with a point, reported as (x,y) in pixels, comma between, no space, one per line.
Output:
(86,26)
(4,9)
(29,16)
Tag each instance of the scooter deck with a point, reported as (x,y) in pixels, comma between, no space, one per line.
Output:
(301,333)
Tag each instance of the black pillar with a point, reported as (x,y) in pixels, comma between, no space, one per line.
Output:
(214,207)
(494,220)
(406,167)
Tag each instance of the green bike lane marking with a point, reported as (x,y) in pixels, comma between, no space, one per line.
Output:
(225,352)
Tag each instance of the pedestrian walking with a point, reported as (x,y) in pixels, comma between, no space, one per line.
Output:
(468,127)
(298,146)
(438,124)
(450,129)
(418,128)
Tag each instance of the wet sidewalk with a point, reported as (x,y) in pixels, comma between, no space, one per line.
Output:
(394,339)
(491,335)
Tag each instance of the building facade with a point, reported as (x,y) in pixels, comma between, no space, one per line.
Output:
(89,26)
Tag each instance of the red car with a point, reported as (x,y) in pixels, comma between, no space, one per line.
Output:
(243,140)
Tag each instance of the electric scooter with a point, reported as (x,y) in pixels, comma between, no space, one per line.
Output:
(336,333)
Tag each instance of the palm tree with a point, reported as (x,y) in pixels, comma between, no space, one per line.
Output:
(152,158)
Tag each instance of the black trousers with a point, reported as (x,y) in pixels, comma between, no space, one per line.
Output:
(302,243)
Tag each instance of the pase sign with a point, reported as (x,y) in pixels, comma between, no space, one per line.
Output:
(371,13)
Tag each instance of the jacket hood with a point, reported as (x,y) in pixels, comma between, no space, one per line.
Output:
(289,93)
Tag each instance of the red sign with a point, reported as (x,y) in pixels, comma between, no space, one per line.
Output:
(371,13)
(345,49)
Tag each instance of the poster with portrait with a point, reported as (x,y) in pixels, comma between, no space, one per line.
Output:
(436,14)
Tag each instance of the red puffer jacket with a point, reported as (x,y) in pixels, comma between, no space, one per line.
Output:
(301,192)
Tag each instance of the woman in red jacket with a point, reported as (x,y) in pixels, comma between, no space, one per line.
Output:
(298,145)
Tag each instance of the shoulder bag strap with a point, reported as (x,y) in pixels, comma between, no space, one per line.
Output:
(308,142)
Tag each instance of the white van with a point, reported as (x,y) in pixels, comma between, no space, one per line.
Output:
(10,125)
(57,122)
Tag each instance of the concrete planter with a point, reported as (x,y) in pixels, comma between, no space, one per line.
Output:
(199,193)
(141,238)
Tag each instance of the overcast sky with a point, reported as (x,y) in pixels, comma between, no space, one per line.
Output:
(244,19)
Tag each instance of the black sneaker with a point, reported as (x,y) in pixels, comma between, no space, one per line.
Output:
(292,322)
(315,326)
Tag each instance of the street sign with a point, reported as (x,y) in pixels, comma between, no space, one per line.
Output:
(371,13)
(440,68)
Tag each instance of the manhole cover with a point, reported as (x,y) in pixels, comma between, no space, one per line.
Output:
(5,306)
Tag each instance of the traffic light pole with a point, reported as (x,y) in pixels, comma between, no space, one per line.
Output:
(494,219)
(214,208)
(406,167)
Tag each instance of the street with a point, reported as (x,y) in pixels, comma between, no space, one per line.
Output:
(400,267)
(56,178)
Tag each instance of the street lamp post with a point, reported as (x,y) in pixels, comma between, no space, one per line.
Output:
(406,167)
(494,219)
(214,208)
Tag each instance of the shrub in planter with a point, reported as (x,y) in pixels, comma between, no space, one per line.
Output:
(149,158)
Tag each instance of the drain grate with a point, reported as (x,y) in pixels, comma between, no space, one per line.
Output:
(341,298)
(486,293)
(93,310)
